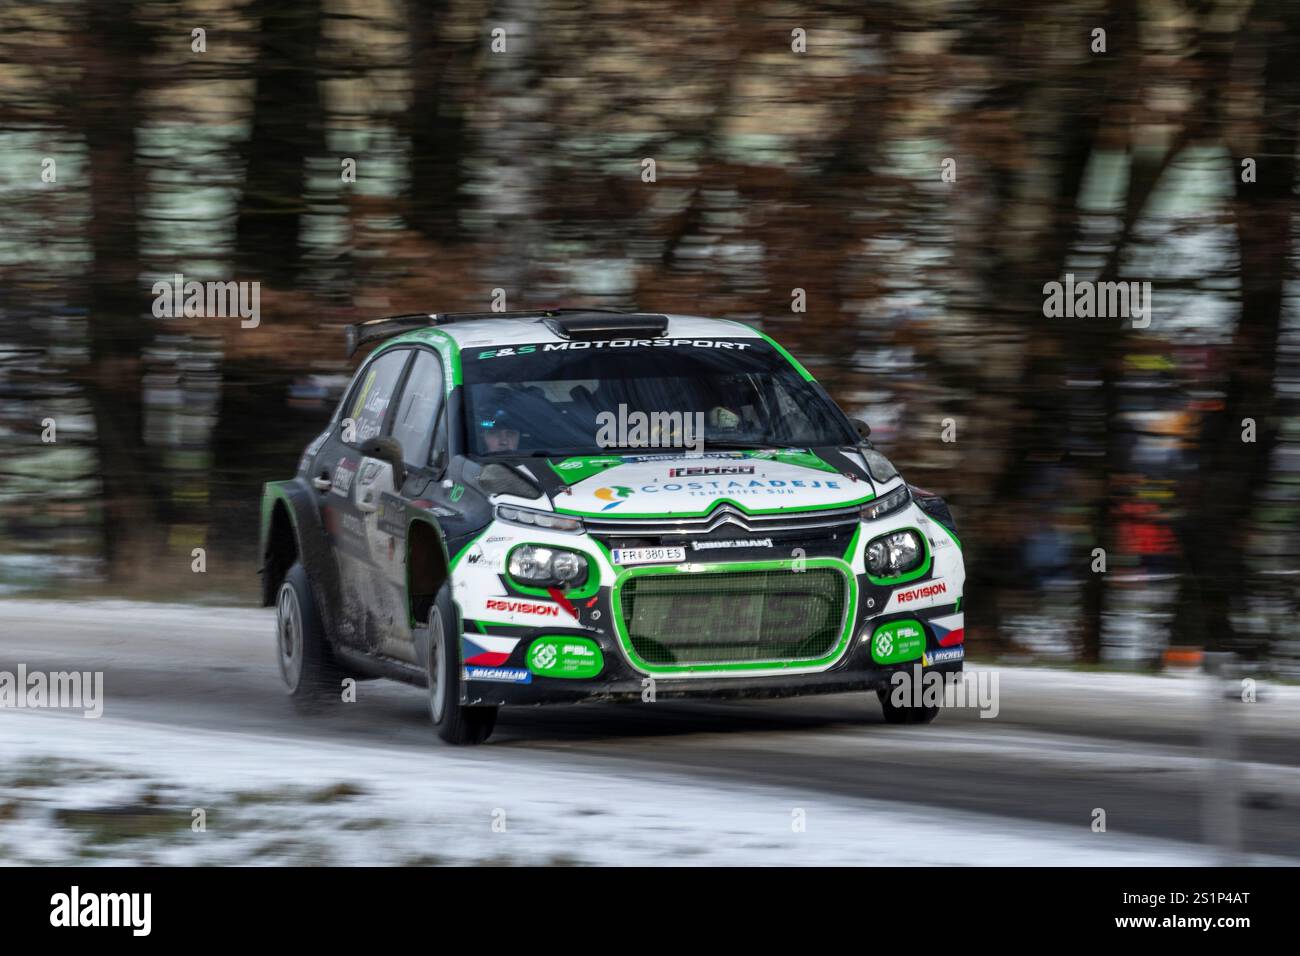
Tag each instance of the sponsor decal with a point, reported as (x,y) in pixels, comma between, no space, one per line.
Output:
(484,650)
(647,555)
(733,487)
(943,655)
(574,470)
(512,675)
(523,607)
(571,657)
(580,345)
(691,456)
(344,472)
(392,516)
(731,543)
(949,630)
(925,591)
(613,495)
(897,642)
(702,471)
(457,492)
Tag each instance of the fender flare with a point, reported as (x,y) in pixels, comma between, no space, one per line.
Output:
(298,501)
(418,516)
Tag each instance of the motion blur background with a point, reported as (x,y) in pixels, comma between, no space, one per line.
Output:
(775,170)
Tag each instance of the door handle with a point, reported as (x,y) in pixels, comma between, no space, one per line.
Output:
(321,483)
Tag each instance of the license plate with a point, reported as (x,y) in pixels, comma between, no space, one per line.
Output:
(648,555)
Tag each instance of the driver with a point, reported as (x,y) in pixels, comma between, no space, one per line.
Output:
(498,433)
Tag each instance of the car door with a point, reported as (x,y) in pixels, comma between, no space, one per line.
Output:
(382,498)
(363,415)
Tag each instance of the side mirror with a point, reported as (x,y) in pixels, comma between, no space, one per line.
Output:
(387,450)
(864,430)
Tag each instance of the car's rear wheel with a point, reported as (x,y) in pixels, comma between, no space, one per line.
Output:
(306,663)
(453,722)
(904,713)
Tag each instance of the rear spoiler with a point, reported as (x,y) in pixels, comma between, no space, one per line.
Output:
(372,330)
(362,332)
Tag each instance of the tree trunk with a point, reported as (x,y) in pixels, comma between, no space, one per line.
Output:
(119,308)
(436,123)
(1233,472)
(287,129)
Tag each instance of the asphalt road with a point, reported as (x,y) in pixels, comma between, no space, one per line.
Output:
(1062,744)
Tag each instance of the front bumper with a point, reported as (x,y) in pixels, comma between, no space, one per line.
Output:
(618,681)
(920,613)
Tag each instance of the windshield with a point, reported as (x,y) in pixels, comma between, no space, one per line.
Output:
(591,398)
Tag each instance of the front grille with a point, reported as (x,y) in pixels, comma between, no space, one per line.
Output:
(717,617)
(726,519)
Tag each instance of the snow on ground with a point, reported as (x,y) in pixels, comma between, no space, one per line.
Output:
(114,791)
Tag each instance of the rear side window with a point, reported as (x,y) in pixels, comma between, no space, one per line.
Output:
(368,404)
(418,409)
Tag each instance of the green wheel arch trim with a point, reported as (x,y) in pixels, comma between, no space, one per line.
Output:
(837,652)
(919,571)
(587,590)
(446,559)
(274,493)
(614,515)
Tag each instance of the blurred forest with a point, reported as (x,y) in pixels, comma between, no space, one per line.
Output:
(796,146)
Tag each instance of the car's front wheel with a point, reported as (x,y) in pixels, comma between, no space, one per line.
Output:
(904,713)
(453,722)
(306,663)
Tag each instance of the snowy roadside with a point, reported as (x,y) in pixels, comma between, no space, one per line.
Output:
(77,791)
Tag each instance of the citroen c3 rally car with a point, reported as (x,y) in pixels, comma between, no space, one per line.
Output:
(575,505)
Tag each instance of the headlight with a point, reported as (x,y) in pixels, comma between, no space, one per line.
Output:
(895,500)
(893,554)
(539,519)
(547,567)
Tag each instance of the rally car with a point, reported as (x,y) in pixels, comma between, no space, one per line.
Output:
(579,505)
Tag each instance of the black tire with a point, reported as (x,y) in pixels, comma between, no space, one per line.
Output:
(905,714)
(306,663)
(454,723)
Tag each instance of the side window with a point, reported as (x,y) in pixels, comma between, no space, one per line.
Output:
(368,403)
(418,409)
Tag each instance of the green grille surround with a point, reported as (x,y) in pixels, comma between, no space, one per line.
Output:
(739,617)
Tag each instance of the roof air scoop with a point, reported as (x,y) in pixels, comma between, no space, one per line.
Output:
(596,325)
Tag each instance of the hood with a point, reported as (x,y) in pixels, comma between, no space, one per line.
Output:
(684,484)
